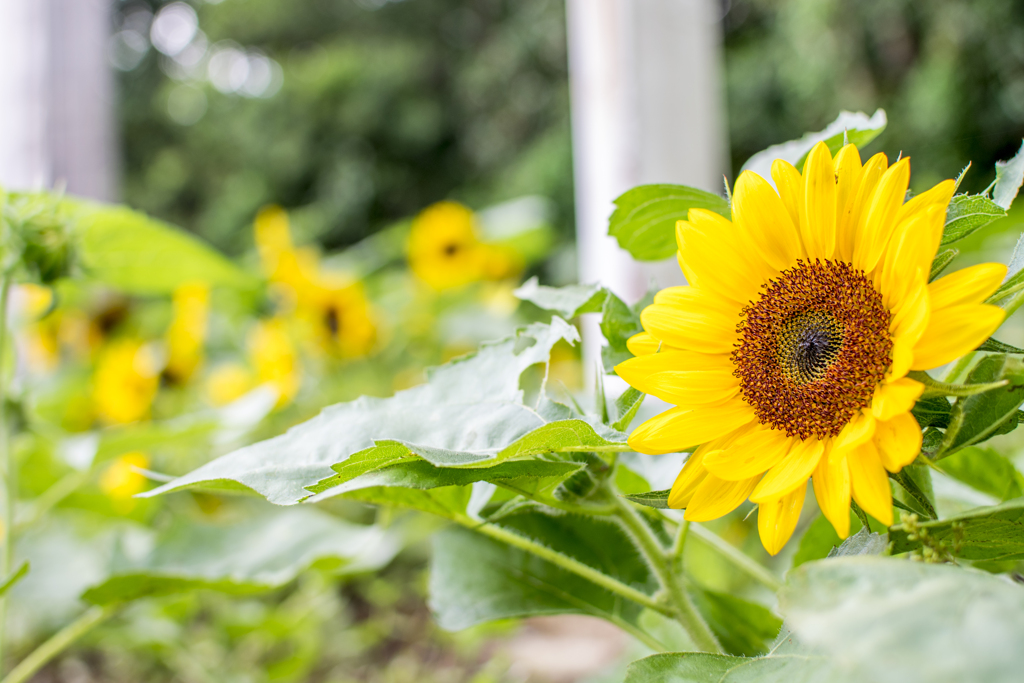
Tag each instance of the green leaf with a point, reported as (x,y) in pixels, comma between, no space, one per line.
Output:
(986,533)
(652,499)
(895,621)
(742,627)
(141,255)
(985,470)
(644,221)
(696,667)
(819,540)
(967,214)
(999,347)
(619,322)
(15,576)
(261,553)
(567,302)
(691,667)
(1009,178)
(976,418)
(932,412)
(941,262)
(626,406)
(864,542)
(856,127)
(1014,282)
(502,581)
(473,404)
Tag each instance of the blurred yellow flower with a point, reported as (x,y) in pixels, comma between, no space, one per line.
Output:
(187,331)
(37,341)
(125,382)
(292,272)
(273,355)
(121,481)
(342,321)
(228,382)
(444,250)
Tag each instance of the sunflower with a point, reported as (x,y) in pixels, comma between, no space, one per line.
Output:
(187,331)
(444,249)
(787,356)
(122,480)
(275,359)
(125,382)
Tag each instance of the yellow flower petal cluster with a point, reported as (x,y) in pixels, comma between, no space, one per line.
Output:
(445,250)
(187,332)
(121,480)
(125,382)
(275,359)
(787,354)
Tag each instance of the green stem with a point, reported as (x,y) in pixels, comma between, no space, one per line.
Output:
(565,562)
(661,563)
(742,561)
(58,643)
(60,490)
(7,464)
(959,368)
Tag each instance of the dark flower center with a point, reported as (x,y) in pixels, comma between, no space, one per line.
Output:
(812,348)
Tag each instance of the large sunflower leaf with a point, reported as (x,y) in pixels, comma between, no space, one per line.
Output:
(568,302)
(472,405)
(502,581)
(644,221)
(742,627)
(985,470)
(981,416)
(893,621)
(856,127)
(987,533)
(967,214)
(141,255)
(697,667)
(260,553)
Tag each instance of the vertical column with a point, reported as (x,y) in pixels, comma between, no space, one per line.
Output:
(646,108)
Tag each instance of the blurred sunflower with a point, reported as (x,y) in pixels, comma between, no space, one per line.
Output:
(274,357)
(445,250)
(187,331)
(227,382)
(125,382)
(341,320)
(121,480)
(787,355)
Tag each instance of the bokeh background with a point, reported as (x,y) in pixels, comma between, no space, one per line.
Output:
(352,117)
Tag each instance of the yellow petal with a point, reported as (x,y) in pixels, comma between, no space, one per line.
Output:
(642,344)
(954,331)
(792,472)
(759,212)
(776,519)
(858,430)
(911,315)
(869,483)
(715,259)
(832,489)
(967,286)
(907,259)
(876,225)
(682,377)
(848,172)
(751,454)
(690,477)
(678,428)
(936,197)
(898,441)
(716,497)
(857,206)
(818,220)
(791,189)
(698,325)
(893,398)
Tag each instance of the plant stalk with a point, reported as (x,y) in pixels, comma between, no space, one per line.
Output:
(59,642)
(661,563)
(7,464)
(742,561)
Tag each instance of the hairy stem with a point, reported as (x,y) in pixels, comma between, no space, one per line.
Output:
(59,642)
(7,464)
(661,563)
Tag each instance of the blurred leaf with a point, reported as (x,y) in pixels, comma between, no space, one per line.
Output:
(891,621)
(652,499)
(1009,177)
(567,302)
(619,322)
(976,418)
(819,540)
(1014,281)
(261,553)
(697,667)
(141,255)
(626,407)
(473,404)
(967,214)
(986,533)
(941,262)
(985,470)
(502,581)
(644,221)
(857,127)
(16,576)
(742,627)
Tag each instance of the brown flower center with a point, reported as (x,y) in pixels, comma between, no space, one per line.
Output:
(812,348)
